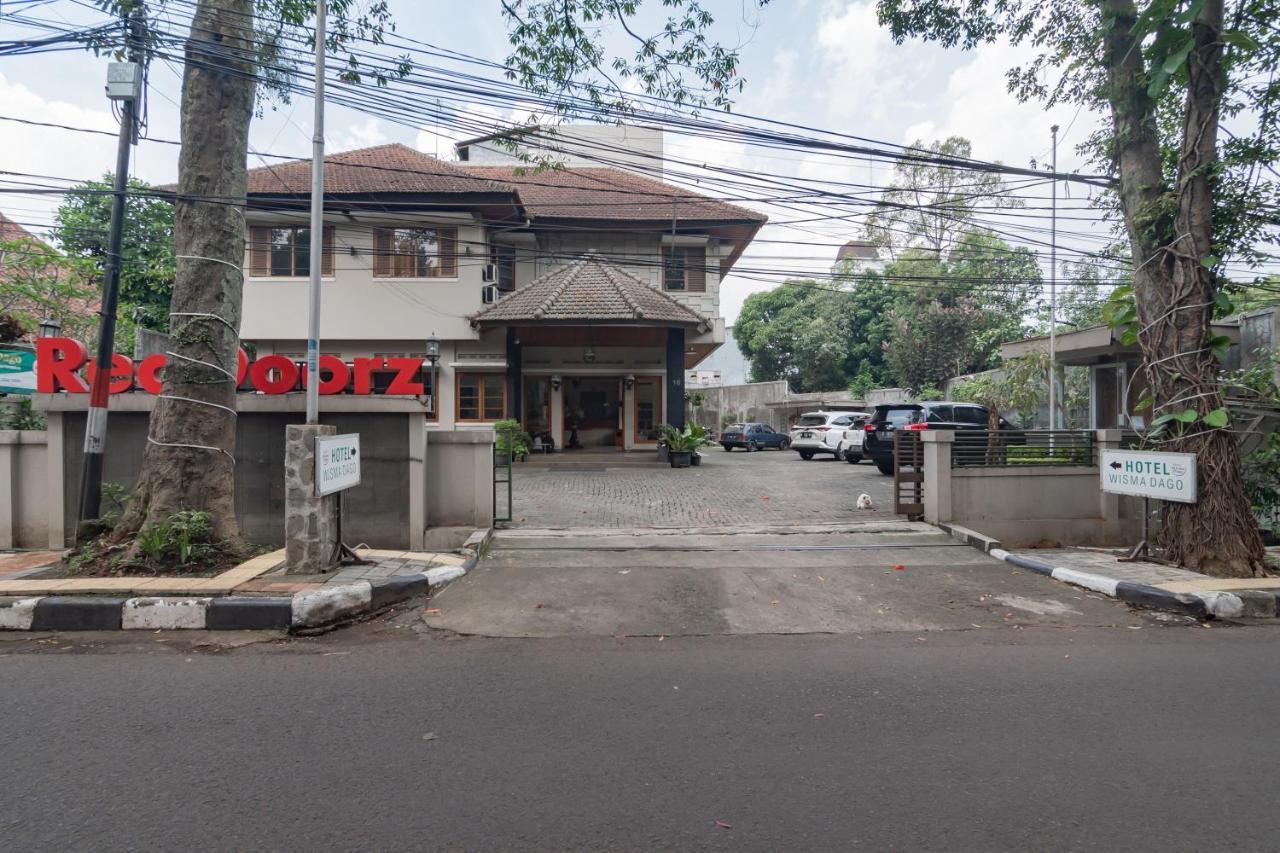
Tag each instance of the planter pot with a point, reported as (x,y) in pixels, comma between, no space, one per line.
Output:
(695,459)
(500,459)
(664,454)
(680,459)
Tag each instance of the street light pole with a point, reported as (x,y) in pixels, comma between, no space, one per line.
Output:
(1053,290)
(316,259)
(124,83)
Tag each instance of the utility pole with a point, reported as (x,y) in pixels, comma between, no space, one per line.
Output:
(124,84)
(316,258)
(1054,420)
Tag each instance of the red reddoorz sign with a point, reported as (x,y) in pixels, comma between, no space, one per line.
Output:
(59,362)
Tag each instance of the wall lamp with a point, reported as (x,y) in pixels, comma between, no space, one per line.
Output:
(555,383)
(631,381)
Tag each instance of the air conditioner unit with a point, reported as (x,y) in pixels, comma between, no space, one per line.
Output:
(490,294)
(489,272)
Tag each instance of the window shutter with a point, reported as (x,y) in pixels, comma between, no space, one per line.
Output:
(382,252)
(448,240)
(259,251)
(695,264)
(326,262)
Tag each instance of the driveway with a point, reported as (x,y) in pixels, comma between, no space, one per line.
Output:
(769,487)
(760,543)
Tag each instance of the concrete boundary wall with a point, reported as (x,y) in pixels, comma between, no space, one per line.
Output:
(1028,505)
(24,521)
(405,489)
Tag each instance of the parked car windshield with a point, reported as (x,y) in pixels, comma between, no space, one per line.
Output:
(897,417)
(812,420)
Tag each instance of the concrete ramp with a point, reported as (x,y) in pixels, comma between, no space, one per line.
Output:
(878,576)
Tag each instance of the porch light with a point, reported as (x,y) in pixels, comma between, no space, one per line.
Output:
(631,381)
(589,356)
(555,383)
(433,349)
(49,327)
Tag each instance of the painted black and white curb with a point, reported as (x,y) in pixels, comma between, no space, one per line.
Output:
(303,610)
(1222,605)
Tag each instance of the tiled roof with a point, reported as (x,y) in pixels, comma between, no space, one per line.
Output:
(604,193)
(858,250)
(391,168)
(10,230)
(588,290)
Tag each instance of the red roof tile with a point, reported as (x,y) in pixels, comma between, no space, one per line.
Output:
(588,290)
(391,168)
(605,193)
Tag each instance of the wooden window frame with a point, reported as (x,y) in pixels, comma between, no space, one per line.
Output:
(480,400)
(693,266)
(260,252)
(446,253)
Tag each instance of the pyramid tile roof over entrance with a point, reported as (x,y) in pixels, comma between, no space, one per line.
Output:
(598,193)
(391,168)
(588,290)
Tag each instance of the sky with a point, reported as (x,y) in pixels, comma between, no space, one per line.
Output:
(820,63)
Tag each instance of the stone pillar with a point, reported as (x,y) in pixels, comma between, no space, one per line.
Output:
(675,378)
(1108,504)
(937,474)
(310,522)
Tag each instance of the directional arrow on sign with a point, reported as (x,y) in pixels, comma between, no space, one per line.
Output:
(1116,465)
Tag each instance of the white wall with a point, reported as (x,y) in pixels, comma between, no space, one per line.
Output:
(620,146)
(355,305)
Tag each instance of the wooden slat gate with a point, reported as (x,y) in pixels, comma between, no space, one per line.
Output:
(908,474)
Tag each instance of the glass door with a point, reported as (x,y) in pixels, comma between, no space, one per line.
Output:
(536,416)
(647,400)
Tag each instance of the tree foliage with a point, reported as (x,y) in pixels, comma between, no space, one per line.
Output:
(1171,73)
(82,225)
(37,282)
(930,207)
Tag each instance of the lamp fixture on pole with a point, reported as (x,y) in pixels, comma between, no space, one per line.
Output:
(433,356)
(49,327)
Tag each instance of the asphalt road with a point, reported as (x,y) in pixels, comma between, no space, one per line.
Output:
(1146,737)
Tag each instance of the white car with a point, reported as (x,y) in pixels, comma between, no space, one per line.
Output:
(837,433)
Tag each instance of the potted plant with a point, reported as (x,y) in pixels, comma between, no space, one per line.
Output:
(512,441)
(682,444)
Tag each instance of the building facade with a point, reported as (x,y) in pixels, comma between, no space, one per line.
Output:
(571,299)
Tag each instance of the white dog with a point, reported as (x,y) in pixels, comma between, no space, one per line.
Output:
(864,502)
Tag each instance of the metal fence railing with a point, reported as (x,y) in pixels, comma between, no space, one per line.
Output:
(1018,447)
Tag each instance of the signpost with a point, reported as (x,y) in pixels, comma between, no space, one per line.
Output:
(17,370)
(1149,474)
(337,463)
(338,469)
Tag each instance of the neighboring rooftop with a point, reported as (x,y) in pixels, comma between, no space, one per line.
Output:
(10,230)
(588,290)
(393,168)
(858,250)
(596,193)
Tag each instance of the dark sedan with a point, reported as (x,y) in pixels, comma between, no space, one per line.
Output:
(753,437)
(937,415)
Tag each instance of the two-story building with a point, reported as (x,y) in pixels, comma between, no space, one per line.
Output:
(571,299)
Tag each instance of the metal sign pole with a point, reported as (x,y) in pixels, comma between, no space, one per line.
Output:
(316,259)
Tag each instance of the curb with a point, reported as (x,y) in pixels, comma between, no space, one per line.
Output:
(301,611)
(1202,605)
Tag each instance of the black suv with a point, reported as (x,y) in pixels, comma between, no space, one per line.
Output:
(877,444)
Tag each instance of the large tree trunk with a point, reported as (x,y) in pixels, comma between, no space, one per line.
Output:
(189,462)
(1170,232)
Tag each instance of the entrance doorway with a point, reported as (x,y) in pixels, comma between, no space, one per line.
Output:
(592,412)
(646,396)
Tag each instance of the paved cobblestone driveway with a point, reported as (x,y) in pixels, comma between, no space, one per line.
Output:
(768,487)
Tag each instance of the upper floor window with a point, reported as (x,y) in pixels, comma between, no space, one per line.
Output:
(415,252)
(684,268)
(504,259)
(285,252)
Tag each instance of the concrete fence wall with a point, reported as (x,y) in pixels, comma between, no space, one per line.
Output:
(1026,505)
(24,487)
(404,489)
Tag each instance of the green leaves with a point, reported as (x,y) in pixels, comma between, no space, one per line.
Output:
(1217,419)
(1220,345)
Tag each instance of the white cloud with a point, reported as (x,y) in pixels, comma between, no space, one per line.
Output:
(978,106)
(51,151)
(867,76)
(364,135)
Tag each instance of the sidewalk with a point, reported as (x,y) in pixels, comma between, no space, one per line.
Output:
(256,594)
(1147,584)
